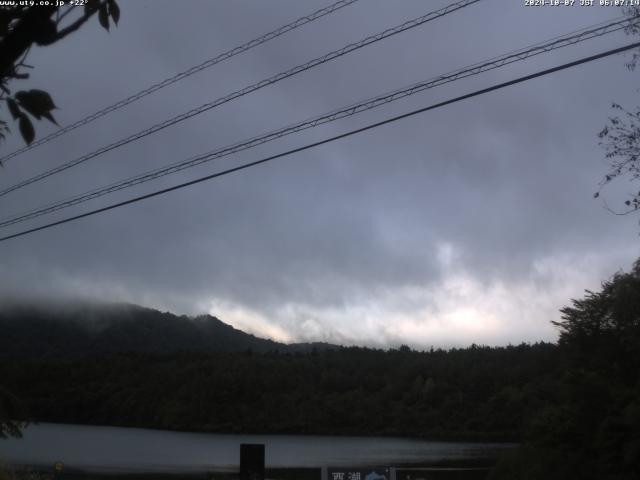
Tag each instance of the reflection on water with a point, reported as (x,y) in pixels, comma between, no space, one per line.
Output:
(132,449)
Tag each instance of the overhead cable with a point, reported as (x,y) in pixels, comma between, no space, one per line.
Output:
(325,141)
(182,75)
(252,88)
(353,109)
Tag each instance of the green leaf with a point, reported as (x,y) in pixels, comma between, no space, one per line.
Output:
(103,17)
(49,117)
(26,129)
(13,108)
(37,102)
(114,11)
(40,99)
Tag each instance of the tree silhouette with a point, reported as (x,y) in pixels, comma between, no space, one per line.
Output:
(621,136)
(591,429)
(23,26)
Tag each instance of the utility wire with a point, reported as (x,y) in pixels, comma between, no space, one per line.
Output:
(182,75)
(328,140)
(353,109)
(252,88)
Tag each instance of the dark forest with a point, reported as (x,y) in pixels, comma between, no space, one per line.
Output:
(574,406)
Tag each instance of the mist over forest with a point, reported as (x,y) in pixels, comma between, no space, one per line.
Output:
(573,405)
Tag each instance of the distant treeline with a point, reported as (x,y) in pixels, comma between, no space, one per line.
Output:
(131,366)
(472,393)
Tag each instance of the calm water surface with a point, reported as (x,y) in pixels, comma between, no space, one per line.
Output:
(133,449)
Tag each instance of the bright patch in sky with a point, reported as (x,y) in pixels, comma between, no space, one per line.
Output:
(457,311)
(472,223)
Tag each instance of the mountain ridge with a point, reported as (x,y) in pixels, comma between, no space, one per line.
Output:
(81,329)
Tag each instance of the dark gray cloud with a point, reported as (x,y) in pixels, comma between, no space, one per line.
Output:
(474,222)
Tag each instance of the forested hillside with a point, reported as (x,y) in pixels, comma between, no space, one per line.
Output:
(71,331)
(475,393)
(132,366)
(575,406)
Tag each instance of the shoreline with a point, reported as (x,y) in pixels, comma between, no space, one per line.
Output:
(480,438)
(275,473)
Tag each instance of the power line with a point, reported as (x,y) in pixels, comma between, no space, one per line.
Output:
(256,86)
(353,109)
(187,73)
(328,140)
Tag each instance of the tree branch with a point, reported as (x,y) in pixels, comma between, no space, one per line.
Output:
(606,206)
(30,27)
(67,12)
(16,42)
(78,23)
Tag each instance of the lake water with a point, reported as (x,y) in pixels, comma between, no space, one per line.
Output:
(112,449)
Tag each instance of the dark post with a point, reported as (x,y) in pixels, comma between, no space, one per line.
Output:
(251,461)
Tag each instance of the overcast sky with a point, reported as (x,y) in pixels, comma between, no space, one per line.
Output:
(471,223)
